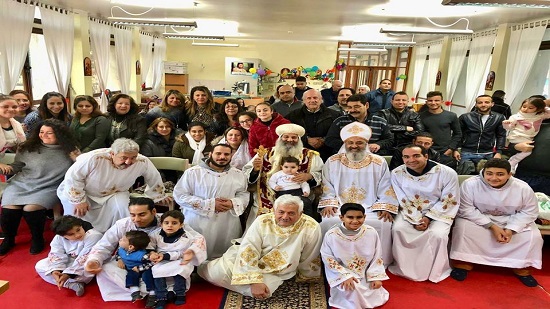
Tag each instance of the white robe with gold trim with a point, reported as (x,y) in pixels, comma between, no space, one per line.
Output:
(366,182)
(422,255)
(268,254)
(513,206)
(356,256)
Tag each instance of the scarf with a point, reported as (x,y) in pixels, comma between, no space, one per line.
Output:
(197,147)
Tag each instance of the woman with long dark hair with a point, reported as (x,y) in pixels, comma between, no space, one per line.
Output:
(161,138)
(39,167)
(24,104)
(195,144)
(125,120)
(53,105)
(201,106)
(89,126)
(227,117)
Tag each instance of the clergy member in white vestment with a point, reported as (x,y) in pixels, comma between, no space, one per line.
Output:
(96,186)
(428,195)
(110,278)
(354,175)
(495,224)
(352,255)
(276,247)
(266,162)
(213,196)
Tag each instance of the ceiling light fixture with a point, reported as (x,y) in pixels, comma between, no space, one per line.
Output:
(416,30)
(215,44)
(351,49)
(531,4)
(384,43)
(172,35)
(131,21)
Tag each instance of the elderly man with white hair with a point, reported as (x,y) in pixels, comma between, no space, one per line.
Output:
(267,162)
(277,247)
(363,89)
(354,175)
(96,186)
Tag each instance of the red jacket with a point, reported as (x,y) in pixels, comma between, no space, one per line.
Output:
(260,134)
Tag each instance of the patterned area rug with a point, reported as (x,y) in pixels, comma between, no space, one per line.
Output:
(290,294)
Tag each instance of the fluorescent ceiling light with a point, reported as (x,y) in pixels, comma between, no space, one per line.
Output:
(164,4)
(151,22)
(542,4)
(362,49)
(172,35)
(416,30)
(424,8)
(384,43)
(215,44)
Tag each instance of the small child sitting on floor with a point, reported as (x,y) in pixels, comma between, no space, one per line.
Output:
(178,252)
(133,257)
(282,183)
(64,266)
(354,268)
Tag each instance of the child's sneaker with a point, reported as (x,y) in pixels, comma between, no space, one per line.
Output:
(78,287)
(136,296)
(180,300)
(151,301)
(160,304)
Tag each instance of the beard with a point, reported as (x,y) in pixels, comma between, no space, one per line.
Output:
(216,164)
(356,156)
(285,149)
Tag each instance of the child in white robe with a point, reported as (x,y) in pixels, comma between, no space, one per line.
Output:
(178,252)
(282,183)
(64,265)
(352,256)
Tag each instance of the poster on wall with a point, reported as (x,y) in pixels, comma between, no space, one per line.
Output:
(490,81)
(87,66)
(241,68)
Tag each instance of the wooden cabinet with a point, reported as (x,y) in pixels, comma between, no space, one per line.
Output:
(176,82)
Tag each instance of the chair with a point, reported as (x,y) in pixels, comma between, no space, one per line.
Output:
(388,159)
(461,178)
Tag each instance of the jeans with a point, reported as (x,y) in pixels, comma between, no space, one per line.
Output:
(179,287)
(132,279)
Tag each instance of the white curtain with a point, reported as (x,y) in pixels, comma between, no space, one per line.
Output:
(522,50)
(158,63)
(480,52)
(59,38)
(434,53)
(459,48)
(16,20)
(100,35)
(419,62)
(146,55)
(123,50)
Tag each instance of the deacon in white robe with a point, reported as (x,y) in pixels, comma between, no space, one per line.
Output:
(96,186)
(428,195)
(495,224)
(110,278)
(355,175)
(266,162)
(354,254)
(213,196)
(68,257)
(276,247)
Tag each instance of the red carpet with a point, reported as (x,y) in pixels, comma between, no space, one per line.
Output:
(485,287)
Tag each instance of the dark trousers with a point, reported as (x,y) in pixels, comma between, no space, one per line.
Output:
(179,287)
(308,207)
(132,278)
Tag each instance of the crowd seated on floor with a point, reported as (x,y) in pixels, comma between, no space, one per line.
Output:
(297,186)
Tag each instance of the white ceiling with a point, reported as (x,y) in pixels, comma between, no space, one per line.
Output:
(312,20)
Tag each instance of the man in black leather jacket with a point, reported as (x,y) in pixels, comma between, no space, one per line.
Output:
(483,136)
(403,122)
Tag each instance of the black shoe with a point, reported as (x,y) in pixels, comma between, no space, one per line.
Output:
(36,221)
(136,296)
(160,304)
(170,297)
(459,274)
(151,301)
(7,245)
(9,220)
(180,300)
(528,280)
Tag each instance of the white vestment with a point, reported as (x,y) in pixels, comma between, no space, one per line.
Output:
(268,254)
(112,279)
(94,179)
(354,256)
(68,256)
(422,255)
(196,193)
(366,182)
(513,206)
(190,240)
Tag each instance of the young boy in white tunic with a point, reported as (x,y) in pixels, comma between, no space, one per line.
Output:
(177,255)
(64,265)
(352,255)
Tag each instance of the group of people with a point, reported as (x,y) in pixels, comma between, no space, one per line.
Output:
(313,164)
